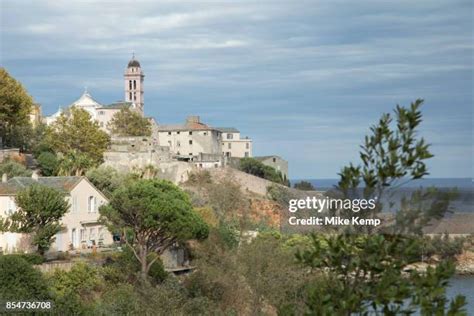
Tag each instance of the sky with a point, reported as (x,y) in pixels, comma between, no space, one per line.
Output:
(304,79)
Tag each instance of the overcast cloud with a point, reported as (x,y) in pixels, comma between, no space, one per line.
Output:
(304,79)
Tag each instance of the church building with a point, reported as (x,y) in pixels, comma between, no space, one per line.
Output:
(194,141)
(133,81)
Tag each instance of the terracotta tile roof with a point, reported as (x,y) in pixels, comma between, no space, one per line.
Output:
(189,126)
(63,184)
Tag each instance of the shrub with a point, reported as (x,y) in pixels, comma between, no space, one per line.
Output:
(32,258)
(119,300)
(19,280)
(257,168)
(200,177)
(14,169)
(304,186)
(125,266)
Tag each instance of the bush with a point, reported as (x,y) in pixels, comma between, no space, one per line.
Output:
(442,246)
(14,169)
(32,258)
(304,186)
(119,300)
(20,281)
(125,267)
(200,177)
(75,290)
(257,168)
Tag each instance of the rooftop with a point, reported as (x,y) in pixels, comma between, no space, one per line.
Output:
(117,105)
(192,123)
(133,63)
(228,129)
(63,184)
(86,100)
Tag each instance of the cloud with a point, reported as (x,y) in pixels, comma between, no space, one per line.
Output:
(302,74)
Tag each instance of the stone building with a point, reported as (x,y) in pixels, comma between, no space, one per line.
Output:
(233,145)
(187,141)
(276,162)
(129,153)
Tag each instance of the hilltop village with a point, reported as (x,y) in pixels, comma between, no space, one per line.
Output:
(176,149)
(174,152)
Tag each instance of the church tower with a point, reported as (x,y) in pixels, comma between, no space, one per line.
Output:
(133,78)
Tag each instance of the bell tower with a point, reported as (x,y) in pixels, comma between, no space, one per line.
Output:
(133,78)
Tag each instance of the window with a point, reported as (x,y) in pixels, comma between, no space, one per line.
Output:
(246,154)
(135,96)
(130,84)
(178,143)
(101,112)
(200,165)
(216,165)
(130,96)
(92,234)
(134,84)
(190,133)
(82,234)
(205,133)
(190,142)
(10,207)
(247,145)
(229,145)
(177,133)
(274,160)
(92,204)
(169,133)
(74,204)
(230,136)
(190,154)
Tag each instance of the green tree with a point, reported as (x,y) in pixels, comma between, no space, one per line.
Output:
(365,273)
(74,163)
(40,211)
(48,163)
(15,106)
(127,122)
(107,179)
(20,281)
(153,215)
(304,186)
(14,169)
(75,134)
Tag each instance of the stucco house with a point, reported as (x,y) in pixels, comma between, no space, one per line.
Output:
(233,145)
(81,227)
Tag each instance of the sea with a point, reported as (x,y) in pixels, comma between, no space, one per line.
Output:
(458,285)
(464,202)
